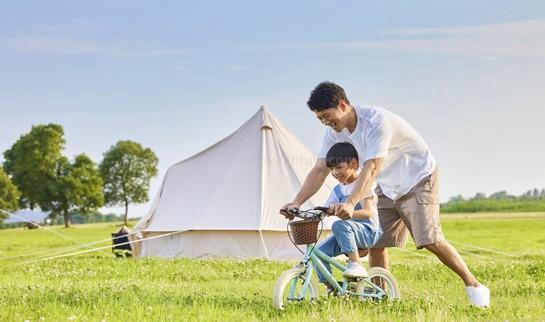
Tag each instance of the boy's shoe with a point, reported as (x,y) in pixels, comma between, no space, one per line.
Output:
(478,296)
(355,270)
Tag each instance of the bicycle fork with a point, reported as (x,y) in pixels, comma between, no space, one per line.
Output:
(306,274)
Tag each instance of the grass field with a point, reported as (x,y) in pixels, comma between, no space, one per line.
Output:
(505,251)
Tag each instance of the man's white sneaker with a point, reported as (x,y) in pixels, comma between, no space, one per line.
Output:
(478,296)
(354,270)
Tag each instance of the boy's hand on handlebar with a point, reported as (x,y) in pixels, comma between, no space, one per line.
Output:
(288,209)
(343,210)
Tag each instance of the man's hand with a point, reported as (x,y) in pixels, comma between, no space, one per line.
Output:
(285,211)
(343,210)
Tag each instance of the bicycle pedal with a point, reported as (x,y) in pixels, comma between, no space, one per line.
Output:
(357,287)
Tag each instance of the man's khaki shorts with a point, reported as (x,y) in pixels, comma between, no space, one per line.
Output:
(416,212)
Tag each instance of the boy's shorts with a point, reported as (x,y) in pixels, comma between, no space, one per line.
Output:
(416,212)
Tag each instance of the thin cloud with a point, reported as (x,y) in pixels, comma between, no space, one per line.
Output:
(47,45)
(150,53)
(67,46)
(75,26)
(237,67)
(211,67)
(489,42)
(517,27)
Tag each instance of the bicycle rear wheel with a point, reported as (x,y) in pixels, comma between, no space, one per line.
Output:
(384,280)
(289,288)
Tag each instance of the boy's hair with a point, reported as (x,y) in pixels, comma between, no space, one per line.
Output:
(341,152)
(326,95)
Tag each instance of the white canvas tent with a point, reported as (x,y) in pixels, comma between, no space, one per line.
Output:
(224,200)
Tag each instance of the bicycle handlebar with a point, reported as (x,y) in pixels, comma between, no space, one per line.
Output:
(322,209)
(316,212)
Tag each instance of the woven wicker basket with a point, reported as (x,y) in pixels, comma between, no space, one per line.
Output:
(304,231)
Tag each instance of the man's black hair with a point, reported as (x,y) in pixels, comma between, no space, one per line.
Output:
(326,95)
(341,152)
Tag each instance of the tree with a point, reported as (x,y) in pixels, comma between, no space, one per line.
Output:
(77,187)
(457,198)
(479,196)
(499,195)
(32,160)
(527,194)
(127,169)
(9,195)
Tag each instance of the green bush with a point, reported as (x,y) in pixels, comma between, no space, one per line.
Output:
(494,205)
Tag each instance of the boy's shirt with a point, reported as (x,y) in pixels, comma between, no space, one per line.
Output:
(346,190)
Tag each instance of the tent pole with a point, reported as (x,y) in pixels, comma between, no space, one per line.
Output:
(264,247)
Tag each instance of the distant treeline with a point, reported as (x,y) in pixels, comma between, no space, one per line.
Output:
(75,218)
(501,201)
(80,218)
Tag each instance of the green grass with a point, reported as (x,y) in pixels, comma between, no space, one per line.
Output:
(97,286)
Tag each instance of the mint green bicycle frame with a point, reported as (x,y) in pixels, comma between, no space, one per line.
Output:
(314,256)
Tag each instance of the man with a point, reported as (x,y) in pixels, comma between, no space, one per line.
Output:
(395,155)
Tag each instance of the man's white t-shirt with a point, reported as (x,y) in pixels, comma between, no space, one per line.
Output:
(346,190)
(381,133)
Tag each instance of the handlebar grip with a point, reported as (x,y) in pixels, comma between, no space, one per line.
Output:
(294,211)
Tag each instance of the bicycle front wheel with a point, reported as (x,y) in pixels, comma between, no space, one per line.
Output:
(289,288)
(385,281)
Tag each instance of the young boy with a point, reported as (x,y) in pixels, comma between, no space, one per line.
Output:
(349,234)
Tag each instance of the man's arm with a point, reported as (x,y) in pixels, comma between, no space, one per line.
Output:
(369,173)
(365,212)
(312,184)
(314,181)
(365,180)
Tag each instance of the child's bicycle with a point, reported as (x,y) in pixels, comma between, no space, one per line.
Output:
(296,284)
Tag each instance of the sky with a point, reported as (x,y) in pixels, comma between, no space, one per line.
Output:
(177,76)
